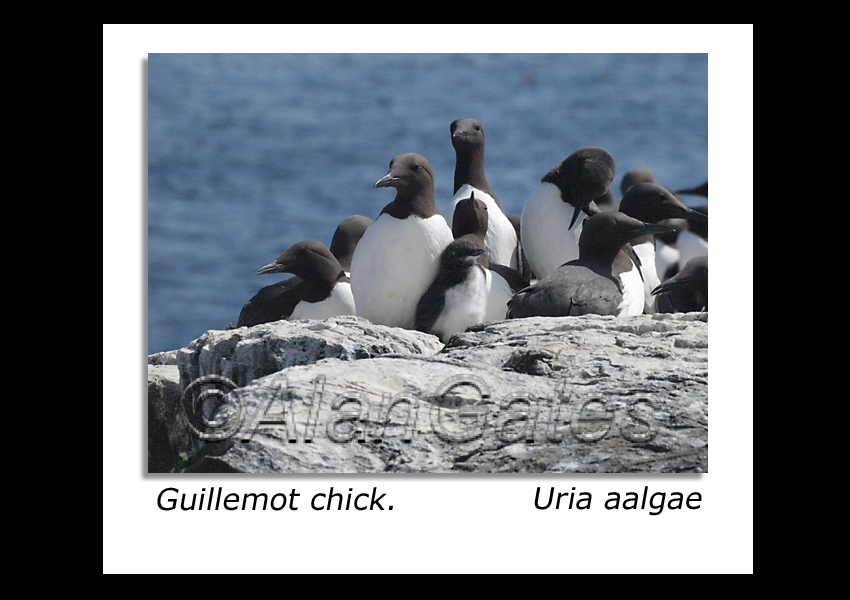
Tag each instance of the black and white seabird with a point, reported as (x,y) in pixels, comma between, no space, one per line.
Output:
(553,214)
(319,289)
(470,223)
(666,253)
(653,203)
(687,291)
(346,237)
(457,298)
(602,281)
(266,305)
(467,137)
(398,256)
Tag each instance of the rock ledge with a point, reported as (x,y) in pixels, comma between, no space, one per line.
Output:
(569,394)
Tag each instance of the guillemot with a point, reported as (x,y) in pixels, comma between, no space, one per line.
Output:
(687,291)
(653,203)
(603,280)
(457,298)
(319,289)
(553,214)
(398,256)
(470,221)
(467,137)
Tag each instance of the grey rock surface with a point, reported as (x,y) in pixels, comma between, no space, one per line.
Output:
(569,394)
(247,353)
(164,420)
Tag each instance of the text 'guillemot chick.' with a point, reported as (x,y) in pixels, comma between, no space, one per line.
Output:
(552,215)
(467,137)
(602,281)
(457,298)
(398,256)
(319,289)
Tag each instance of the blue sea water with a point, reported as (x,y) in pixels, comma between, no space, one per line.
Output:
(249,153)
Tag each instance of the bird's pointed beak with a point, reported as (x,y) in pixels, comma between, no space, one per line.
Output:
(575,217)
(386,181)
(588,207)
(668,286)
(654,229)
(459,133)
(274,267)
(695,215)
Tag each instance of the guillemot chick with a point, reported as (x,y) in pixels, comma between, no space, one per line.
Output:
(457,298)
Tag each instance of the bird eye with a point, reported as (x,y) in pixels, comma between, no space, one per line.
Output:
(414,167)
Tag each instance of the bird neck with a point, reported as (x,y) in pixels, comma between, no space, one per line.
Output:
(316,290)
(477,239)
(469,168)
(420,203)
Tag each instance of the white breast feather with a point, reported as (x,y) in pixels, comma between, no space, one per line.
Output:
(498,294)
(340,302)
(394,263)
(646,254)
(690,246)
(633,293)
(465,305)
(665,255)
(546,241)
